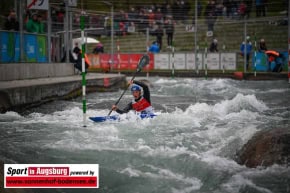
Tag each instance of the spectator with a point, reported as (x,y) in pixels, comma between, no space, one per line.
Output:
(159,17)
(228,6)
(248,8)
(99,48)
(246,49)
(76,49)
(186,9)
(154,48)
(214,46)
(260,8)
(35,25)
(262,46)
(242,10)
(11,22)
(40,24)
(199,8)
(210,15)
(176,9)
(169,28)
(159,36)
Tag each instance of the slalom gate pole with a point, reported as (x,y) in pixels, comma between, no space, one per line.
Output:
(196,59)
(172,57)
(83,70)
(147,49)
(195,38)
(119,57)
(205,57)
(224,50)
(255,55)
(288,43)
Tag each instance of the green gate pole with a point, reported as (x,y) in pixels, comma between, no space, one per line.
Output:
(173,60)
(83,70)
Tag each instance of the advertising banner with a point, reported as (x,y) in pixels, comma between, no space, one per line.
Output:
(94,60)
(42,50)
(179,61)
(124,61)
(30,47)
(161,61)
(106,63)
(134,59)
(51,175)
(190,61)
(37,4)
(228,61)
(9,47)
(212,61)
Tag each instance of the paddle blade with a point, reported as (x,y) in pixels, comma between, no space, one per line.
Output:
(143,62)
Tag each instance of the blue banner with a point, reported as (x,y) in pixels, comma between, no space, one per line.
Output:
(35,47)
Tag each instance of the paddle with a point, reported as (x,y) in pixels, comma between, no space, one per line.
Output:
(141,64)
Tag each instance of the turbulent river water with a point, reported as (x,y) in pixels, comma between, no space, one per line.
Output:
(189,147)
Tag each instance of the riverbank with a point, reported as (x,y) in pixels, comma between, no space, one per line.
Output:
(17,95)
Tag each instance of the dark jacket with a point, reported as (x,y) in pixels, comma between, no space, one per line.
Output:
(11,24)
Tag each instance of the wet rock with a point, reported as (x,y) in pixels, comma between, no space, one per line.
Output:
(266,148)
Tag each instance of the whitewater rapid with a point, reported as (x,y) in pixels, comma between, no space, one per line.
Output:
(189,147)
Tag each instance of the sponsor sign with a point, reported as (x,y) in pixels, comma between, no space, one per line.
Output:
(179,61)
(190,61)
(161,61)
(37,4)
(228,61)
(213,61)
(51,175)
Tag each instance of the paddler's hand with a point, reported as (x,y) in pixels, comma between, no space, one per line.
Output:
(130,83)
(114,107)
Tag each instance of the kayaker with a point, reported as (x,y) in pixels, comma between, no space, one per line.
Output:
(140,103)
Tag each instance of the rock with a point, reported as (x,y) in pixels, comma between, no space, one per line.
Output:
(266,148)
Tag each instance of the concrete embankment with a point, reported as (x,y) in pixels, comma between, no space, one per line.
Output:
(18,94)
(35,86)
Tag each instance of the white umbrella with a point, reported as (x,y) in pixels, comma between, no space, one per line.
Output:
(87,40)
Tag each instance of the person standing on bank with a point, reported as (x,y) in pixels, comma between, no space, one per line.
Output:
(140,103)
(214,46)
(262,46)
(11,22)
(246,49)
(169,28)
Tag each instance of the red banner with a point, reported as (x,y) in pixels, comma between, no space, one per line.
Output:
(123,62)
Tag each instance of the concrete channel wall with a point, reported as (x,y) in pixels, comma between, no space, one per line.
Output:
(26,85)
(21,71)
